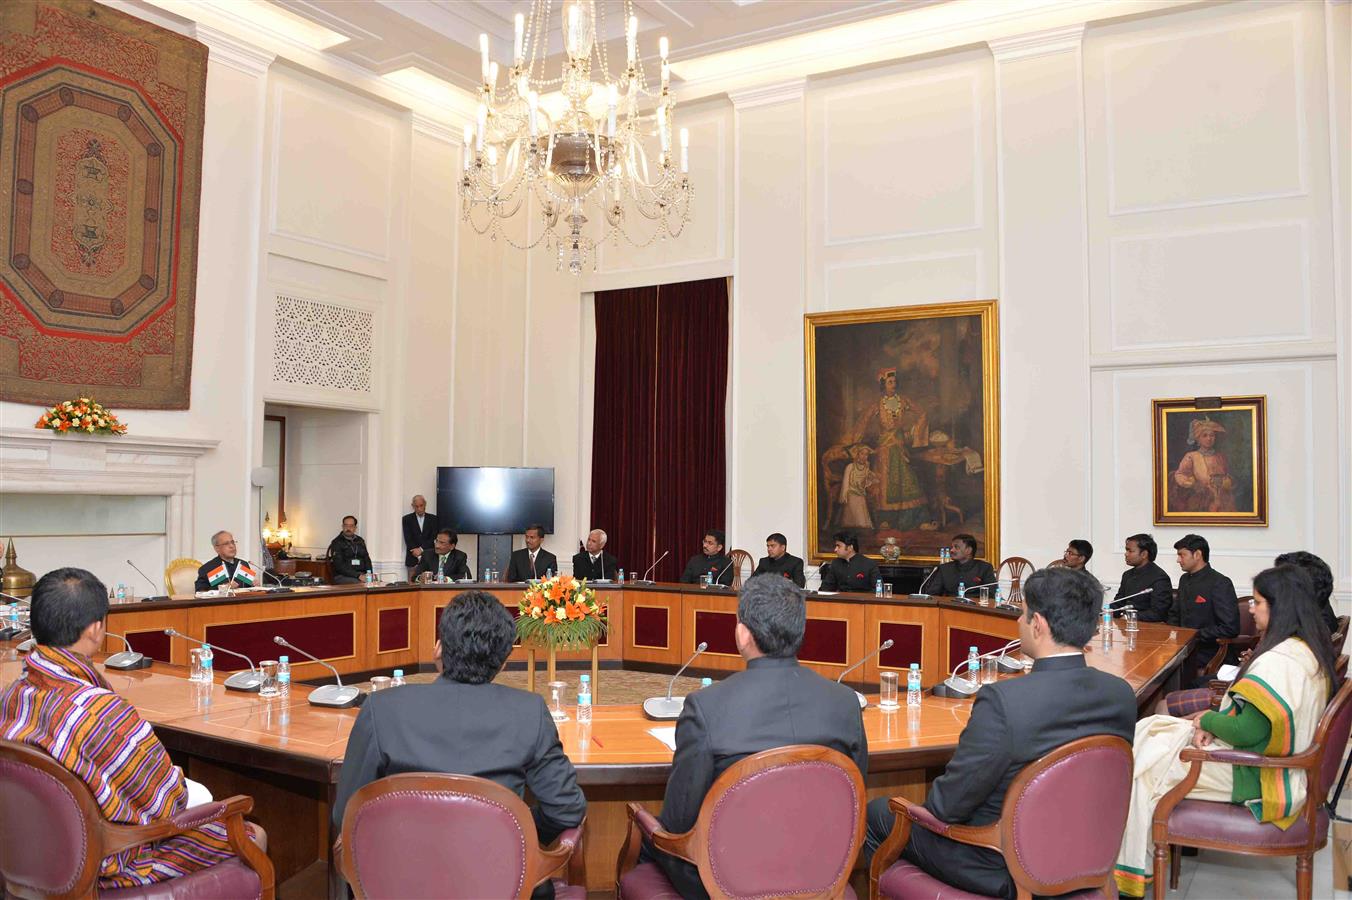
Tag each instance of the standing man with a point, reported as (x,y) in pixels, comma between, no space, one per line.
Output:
(1139,551)
(850,570)
(348,554)
(1206,602)
(595,563)
(1015,722)
(420,528)
(533,562)
(772,703)
(965,569)
(443,559)
(713,561)
(225,568)
(779,561)
(1077,554)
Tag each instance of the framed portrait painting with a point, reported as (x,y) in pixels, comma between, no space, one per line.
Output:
(902,429)
(1210,465)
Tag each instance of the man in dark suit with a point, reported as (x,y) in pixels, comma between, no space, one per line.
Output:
(712,561)
(1206,601)
(780,561)
(348,556)
(965,571)
(1145,586)
(773,703)
(594,562)
(533,561)
(1015,722)
(420,528)
(225,567)
(444,559)
(464,724)
(850,570)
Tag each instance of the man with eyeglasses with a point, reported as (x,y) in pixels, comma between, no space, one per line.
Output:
(225,568)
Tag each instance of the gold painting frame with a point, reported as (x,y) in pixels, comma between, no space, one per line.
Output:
(875,330)
(1240,477)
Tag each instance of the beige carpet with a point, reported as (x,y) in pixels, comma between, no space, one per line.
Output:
(618,687)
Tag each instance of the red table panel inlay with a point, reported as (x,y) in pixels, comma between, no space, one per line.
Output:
(328,637)
(719,629)
(960,639)
(908,641)
(651,627)
(393,630)
(154,644)
(825,641)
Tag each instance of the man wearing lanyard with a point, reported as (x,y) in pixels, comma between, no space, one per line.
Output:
(348,554)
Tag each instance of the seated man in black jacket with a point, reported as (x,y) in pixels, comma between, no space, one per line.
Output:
(533,561)
(1206,601)
(1145,586)
(965,571)
(779,561)
(444,560)
(850,570)
(712,562)
(464,724)
(1015,722)
(594,562)
(348,556)
(773,703)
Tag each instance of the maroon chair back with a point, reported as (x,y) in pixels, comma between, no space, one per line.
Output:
(45,830)
(784,821)
(1064,816)
(1247,627)
(1337,719)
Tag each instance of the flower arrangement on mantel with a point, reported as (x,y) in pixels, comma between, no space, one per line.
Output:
(560,612)
(82,415)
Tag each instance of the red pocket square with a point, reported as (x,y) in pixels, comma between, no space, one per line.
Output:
(1200,599)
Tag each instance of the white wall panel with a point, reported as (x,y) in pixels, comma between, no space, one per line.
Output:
(1183,288)
(900,281)
(1190,111)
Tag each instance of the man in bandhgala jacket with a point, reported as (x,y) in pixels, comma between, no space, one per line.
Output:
(712,561)
(1139,551)
(225,567)
(1206,601)
(850,570)
(420,530)
(965,569)
(779,561)
(348,556)
(594,562)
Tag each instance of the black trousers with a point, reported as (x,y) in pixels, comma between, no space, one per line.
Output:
(974,869)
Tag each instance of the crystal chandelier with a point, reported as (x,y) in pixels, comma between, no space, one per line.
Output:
(589,153)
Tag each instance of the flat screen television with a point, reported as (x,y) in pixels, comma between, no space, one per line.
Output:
(492,500)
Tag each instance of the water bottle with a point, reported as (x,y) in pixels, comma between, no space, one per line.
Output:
(999,598)
(14,615)
(913,685)
(973,666)
(878,588)
(962,590)
(398,679)
(549,573)
(284,675)
(705,681)
(207,671)
(584,709)
(1106,629)
(619,578)
(121,592)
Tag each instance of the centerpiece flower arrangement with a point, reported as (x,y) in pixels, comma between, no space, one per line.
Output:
(560,612)
(81,414)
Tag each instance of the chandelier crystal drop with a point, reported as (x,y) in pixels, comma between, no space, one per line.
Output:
(591,154)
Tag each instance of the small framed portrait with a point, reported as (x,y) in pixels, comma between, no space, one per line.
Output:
(1210,461)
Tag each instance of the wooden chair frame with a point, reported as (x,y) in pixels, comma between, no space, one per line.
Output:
(1017,575)
(999,835)
(182,562)
(1340,634)
(1240,642)
(740,558)
(566,854)
(103,838)
(1310,760)
(693,845)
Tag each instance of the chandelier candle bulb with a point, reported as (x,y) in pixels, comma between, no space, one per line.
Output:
(611,103)
(519,41)
(534,101)
(483,55)
(574,25)
(631,42)
(685,150)
(493,75)
(662,130)
(523,87)
(482,120)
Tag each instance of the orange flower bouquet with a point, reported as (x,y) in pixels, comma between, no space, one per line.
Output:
(560,612)
(83,414)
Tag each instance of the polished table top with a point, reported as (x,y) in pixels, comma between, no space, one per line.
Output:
(291,737)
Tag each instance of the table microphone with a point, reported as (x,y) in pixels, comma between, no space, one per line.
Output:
(282,587)
(863,701)
(1007,665)
(975,587)
(1121,601)
(249,681)
(335,696)
(7,633)
(670,707)
(151,582)
(917,595)
(644,579)
(717,580)
(125,660)
(961,688)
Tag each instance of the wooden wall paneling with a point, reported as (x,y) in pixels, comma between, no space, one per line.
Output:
(893,619)
(652,606)
(386,613)
(834,638)
(710,616)
(293,611)
(130,620)
(994,629)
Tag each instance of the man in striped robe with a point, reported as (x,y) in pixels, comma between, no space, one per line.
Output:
(64,706)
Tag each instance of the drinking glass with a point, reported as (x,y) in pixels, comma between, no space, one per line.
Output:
(887,691)
(379,683)
(556,705)
(269,687)
(1132,624)
(196,672)
(887,590)
(989,670)
(704,580)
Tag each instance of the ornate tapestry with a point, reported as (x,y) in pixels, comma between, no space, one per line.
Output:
(100,175)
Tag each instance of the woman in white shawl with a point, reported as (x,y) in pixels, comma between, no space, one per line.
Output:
(1272,708)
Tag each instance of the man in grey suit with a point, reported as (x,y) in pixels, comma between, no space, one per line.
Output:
(464,724)
(773,703)
(1015,722)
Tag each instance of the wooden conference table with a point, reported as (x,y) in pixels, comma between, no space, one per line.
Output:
(287,754)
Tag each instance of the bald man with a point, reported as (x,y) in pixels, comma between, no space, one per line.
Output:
(594,563)
(420,532)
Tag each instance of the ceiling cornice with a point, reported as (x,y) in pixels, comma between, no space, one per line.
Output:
(1038,43)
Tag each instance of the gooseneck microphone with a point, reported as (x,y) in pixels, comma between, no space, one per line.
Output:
(7,633)
(1122,601)
(337,696)
(669,707)
(664,555)
(125,660)
(863,701)
(718,579)
(919,594)
(150,581)
(249,681)
(962,688)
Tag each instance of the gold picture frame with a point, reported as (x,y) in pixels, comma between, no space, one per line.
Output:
(907,429)
(1210,460)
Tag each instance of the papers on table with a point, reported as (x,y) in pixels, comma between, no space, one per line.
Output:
(666,735)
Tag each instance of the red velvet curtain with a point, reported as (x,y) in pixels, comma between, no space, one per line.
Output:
(659,441)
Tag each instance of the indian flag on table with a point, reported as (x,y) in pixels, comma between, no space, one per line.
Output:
(243,574)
